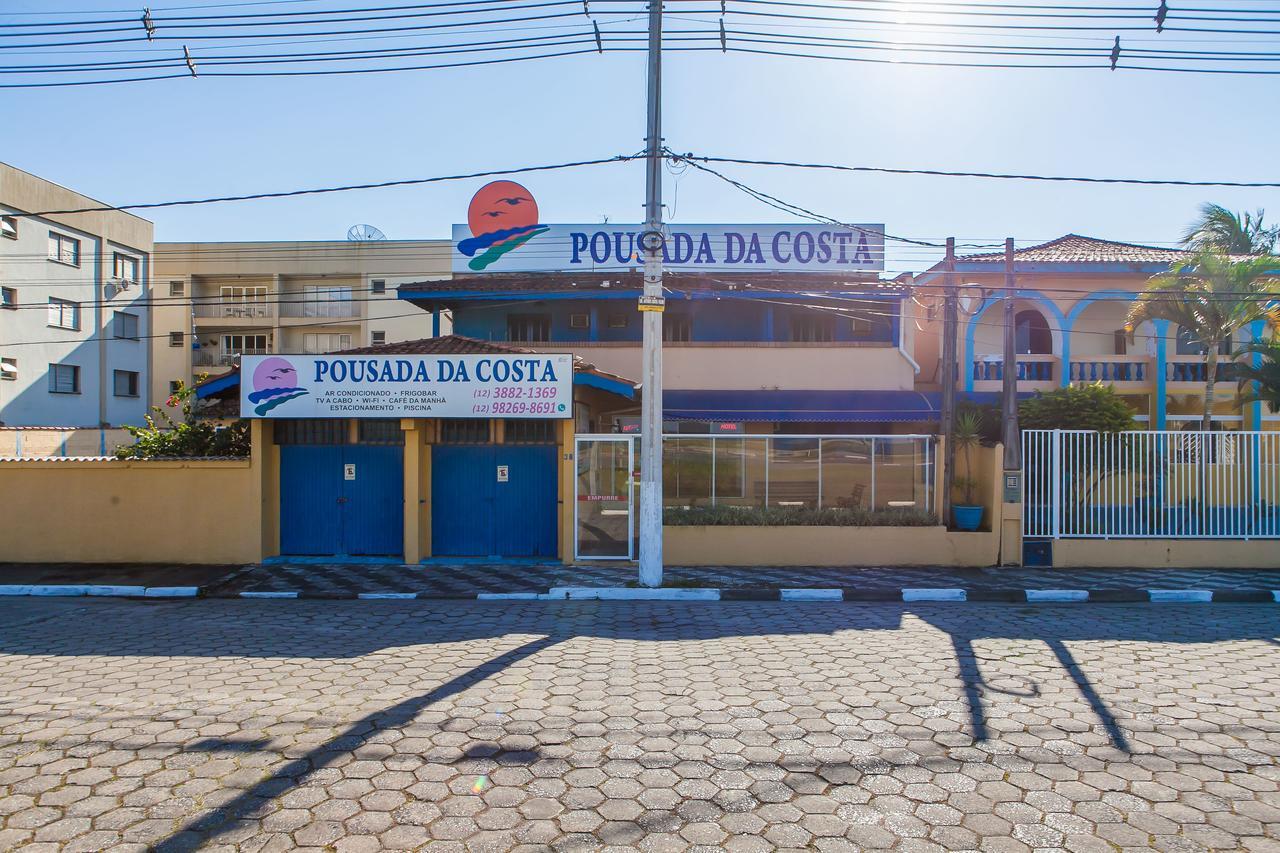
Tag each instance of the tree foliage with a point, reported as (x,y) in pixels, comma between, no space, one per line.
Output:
(163,436)
(1222,230)
(1094,407)
(1266,373)
(1212,296)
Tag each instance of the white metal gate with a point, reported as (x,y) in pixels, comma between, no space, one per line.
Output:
(1151,484)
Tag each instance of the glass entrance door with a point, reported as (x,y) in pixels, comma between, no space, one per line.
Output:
(604,523)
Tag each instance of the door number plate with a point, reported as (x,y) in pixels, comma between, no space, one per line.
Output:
(349,471)
(502,473)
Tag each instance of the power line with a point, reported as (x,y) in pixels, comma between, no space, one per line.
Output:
(995,175)
(618,158)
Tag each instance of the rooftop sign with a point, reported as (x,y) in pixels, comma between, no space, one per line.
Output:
(503,234)
(522,385)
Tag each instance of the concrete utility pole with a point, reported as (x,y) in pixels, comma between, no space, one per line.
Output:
(1009,399)
(950,323)
(651,305)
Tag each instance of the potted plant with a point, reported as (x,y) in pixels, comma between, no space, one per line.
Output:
(966,432)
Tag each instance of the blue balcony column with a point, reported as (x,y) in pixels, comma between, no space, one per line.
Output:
(593,333)
(1162,374)
(435,323)
(1257,331)
(1067,325)
(768,323)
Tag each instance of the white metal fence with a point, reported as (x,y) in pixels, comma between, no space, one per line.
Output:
(1152,484)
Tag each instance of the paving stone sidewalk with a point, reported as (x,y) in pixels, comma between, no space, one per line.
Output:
(564,726)
(466,581)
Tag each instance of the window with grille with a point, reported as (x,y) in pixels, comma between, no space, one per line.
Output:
(177,339)
(125,267)
(617,321)
(529,327)
(64,314)
(529,432)
(377,338)
(125,325)
(126,383)
(811,328)
(64,249)
(310,431)
(378,285)
(676,328)
(579,321)
(464,431)
(318,343)
(380,431)
(177,288)
(64,379)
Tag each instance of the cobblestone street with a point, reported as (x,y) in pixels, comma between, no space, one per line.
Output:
(371,725)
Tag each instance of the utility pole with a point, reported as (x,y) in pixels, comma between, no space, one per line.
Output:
(950,322)
(1009,400)
(651,305)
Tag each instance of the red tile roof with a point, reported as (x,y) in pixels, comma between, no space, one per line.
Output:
(1076,248)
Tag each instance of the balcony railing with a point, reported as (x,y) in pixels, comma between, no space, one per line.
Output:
(217,358)
(1110,368)
(233,309)
(1031,368)
(1192,368)
(291,305)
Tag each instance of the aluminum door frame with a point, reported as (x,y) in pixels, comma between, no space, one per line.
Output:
(631,492)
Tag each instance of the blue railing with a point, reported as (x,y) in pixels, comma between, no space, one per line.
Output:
(1034,371)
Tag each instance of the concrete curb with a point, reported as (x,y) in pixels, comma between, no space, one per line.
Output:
(590,593)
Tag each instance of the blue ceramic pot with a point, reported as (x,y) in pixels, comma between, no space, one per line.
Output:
(967,517)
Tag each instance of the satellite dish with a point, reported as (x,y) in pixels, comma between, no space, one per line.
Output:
(364,234)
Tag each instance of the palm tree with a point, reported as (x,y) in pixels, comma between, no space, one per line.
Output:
(1224,231)
(1212,296)
(1266,374)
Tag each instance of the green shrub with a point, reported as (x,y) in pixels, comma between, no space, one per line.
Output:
(1095,407)
(753,516)
(190,437)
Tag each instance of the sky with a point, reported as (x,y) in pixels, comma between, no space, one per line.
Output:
(195,137)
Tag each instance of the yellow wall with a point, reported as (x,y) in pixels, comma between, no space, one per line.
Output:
(1166,553)
(827,546)
(114,511)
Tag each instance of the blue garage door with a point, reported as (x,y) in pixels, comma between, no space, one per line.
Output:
(474,513)
(323,513)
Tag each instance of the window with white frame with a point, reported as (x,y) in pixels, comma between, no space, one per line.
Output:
(64,379)
(377,338)
(64,314)
(177,288)
(9,227)
(9,297)
(126,383)
(8,368)
(317,343)
(378,285)
(177,339)
(64,249)
(324,300)
(234,345)
(244,300)
(125,325)
(125,268)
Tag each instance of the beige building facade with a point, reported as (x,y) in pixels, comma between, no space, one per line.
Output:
(218,301)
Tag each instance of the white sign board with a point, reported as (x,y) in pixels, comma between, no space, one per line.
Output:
(688,248)
(502,473)
(532,385)
(349,471)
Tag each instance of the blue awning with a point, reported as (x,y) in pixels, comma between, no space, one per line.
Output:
(800,406)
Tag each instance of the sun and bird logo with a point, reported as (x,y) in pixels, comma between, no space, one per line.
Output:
(275,381)
(502,217)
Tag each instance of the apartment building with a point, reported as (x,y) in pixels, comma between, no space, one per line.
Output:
(218,301)
(75,328)
(1071,300)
